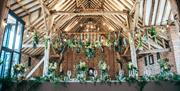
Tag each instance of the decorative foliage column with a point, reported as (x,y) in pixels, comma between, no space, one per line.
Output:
(46,55)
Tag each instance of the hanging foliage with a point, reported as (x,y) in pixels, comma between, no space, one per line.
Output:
(97,44)
(88,44)
(70,43)
(56,43)
(140,42)
(79,46)
(90,52)
(108,41)
(35,39)
(152,32)
(46,40)
(118,44)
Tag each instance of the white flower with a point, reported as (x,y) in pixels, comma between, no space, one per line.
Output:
(130,65)
(104,66)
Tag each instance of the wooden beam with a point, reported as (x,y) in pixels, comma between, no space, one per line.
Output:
(35,68)
(154,51)
(157,12)
(47,50)
(144,12)
(176,14)
(31,46)
(90,13)
(131,34)
(61,22)
(151,12)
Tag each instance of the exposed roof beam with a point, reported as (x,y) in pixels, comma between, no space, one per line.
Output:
(90,13)
(151,12)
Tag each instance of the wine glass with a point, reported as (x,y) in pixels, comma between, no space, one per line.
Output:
(69,74)
(95,73)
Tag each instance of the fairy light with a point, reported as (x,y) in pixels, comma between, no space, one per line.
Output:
(104,24)
(81,25)
(28,34)
(4,24)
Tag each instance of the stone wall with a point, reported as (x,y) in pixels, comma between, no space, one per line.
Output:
(155,68)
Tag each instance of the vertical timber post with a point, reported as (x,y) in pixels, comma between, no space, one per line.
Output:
(47,48)
(175,46)
(131,33)
(176,13)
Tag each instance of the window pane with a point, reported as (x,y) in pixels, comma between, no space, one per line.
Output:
(18,40)
(6,57)
(145,60)
(15,60)
(2,55)
(9,32)
(11,38)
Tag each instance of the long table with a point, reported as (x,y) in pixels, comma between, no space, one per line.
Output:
(74,86)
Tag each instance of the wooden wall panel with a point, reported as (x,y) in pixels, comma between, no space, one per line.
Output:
(71,58)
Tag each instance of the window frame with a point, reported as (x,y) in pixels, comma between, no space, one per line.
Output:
(12,50)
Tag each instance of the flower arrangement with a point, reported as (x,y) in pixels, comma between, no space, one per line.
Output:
(52,67)
(104,76)
(81,66)
(19,70)
(121,77)
(133,71)
(102,65)
(163,63)
(165,73)
(81,69)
